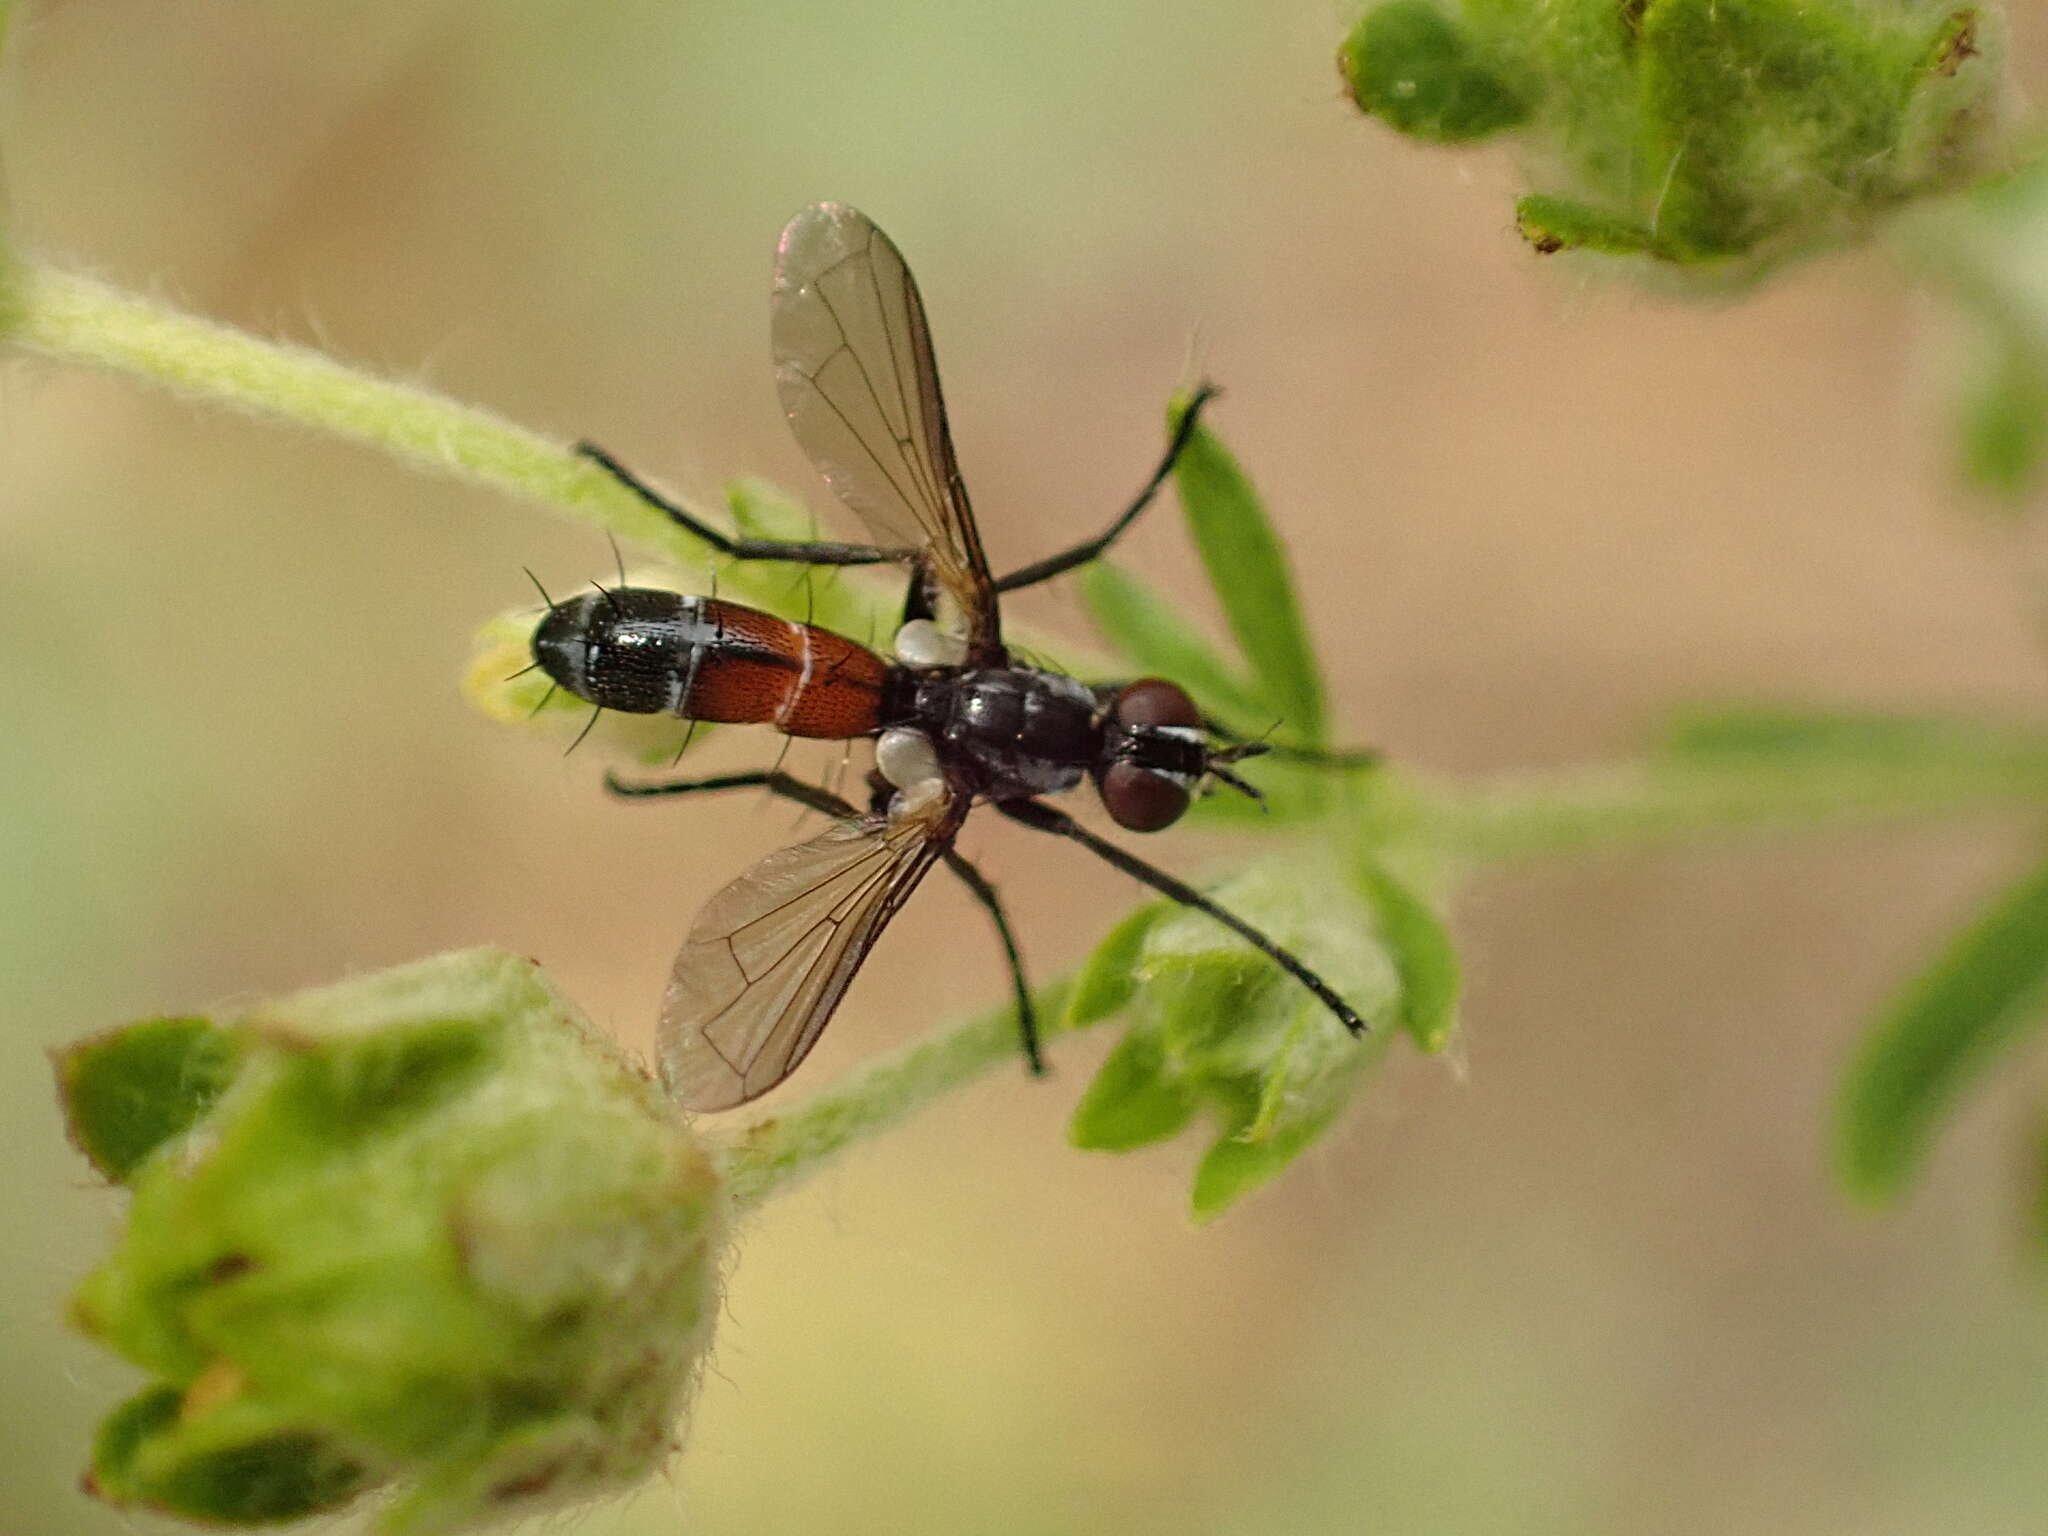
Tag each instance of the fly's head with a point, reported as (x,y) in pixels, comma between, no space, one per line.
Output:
(1155,753)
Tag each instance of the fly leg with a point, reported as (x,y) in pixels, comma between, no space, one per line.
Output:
(817,799)
(1035,813)
(800,552)
(788,786)
(1027,1016)
(1081,554)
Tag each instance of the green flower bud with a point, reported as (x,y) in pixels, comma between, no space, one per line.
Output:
(1714,134)
(1215,1026)
(424,1231)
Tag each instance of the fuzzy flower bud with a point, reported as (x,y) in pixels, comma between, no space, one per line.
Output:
(1215,1026)
(1715,134)
(424,1231)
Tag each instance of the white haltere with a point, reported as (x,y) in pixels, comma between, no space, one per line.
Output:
(921,643)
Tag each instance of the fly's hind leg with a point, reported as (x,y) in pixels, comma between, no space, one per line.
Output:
(800,551)
(1027,1015)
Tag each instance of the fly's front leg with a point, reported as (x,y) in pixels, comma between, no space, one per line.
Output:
(1036,813)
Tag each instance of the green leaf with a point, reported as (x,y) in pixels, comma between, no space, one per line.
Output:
(1137,1098)
(2005,423)
(127,1092)
(1160,643)
(1768,732)
(1552,224)
(1983,994)
(1412,66)
(1422,952)
(220,1465)
(1986,251)
(1108,979)
(1232,1168)
(1248,570)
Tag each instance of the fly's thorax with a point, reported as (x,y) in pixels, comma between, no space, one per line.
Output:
(1009,731)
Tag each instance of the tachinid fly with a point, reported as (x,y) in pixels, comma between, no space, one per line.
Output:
(956,720)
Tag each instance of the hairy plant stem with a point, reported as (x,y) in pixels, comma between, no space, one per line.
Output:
(774,1154)
(1525,814)
(1515,815)
(79,319)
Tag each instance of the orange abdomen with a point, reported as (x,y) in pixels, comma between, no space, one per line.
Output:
(753,668)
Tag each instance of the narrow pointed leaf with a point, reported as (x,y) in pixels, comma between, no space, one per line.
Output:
(127,1092)
(1248,569)
(1159,642)
(1764,732)
(1235,1165)
(1109,978)
(1137,1098)
(1422,952)
(1978,998)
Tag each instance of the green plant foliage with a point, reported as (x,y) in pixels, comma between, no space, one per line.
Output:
(2004,422)
(1988,990)
(1214,1025)
(1421,949)
(1109,978)
(435,1235)
(1411,65)
(128,1092)
(1719,135)
(1987,251)
(1157,641)
(1772,733)
(1248,569)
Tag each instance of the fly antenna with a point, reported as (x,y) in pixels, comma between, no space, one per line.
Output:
(588,726)
(543,591)
(1243,786)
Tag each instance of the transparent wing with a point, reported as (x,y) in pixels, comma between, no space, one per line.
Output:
(854,368)
(769,957)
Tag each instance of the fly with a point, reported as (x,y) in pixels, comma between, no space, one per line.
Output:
(955,720)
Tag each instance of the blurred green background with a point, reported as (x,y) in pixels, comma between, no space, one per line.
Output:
(1592,1277)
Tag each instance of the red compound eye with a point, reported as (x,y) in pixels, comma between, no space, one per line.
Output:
(1140,800)
(1155,701)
